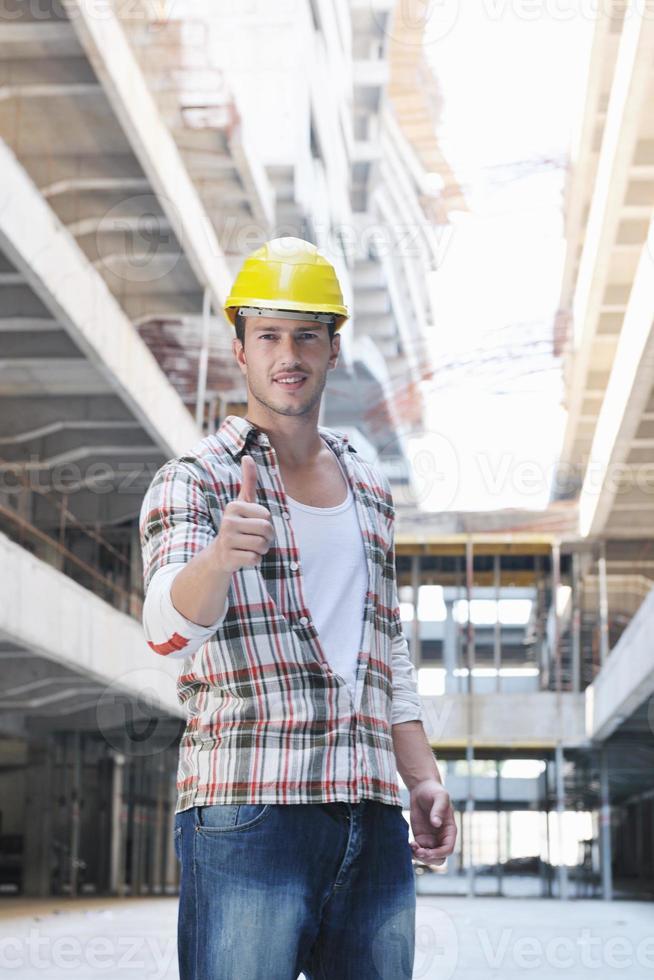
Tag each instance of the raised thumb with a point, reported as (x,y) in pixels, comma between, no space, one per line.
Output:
(248,491)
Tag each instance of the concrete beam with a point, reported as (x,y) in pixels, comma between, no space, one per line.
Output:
(11,324)
(57,428)
(64,457)
(62,278)
(102,36)
(625,400)
(27,376)
(31,38)
(504,719)
(93,507)
(49,90)
(628,99)
(22,415)
(48,613)
(85,184)
(627,678)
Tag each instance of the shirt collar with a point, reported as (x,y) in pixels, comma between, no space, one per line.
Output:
(237,433)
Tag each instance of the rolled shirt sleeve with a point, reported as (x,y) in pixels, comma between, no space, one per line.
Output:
(174,526)
(167,631)
(406,704)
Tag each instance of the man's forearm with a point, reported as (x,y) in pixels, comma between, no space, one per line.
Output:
(414,757)
(199,590)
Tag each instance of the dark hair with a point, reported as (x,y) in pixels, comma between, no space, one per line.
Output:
(239,324)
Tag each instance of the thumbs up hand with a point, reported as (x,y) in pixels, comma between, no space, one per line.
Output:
(248,491)
(246,529)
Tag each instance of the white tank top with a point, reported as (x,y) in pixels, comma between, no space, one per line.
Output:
(334,577)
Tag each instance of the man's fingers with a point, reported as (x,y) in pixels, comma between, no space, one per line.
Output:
(248,489)
(439,811)
(431,853)
(243,508)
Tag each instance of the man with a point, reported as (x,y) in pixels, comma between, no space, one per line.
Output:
(269,567)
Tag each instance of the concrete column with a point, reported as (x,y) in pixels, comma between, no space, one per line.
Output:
(560,810)
(75,810)
(171,866)
(135,571)
(416,654)
(449,647)
(470,809)
(159,827)
(603,604)
(605,826)
(461,682)
(37,846)
(201,391)
(497,631)
(470,663)
(541,637)
(117,859)
(556,581)
(136,824)
(548,852)
(470,631)
(498,804)
(576,624)
(462,838)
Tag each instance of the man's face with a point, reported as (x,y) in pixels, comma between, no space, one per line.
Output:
(286,362)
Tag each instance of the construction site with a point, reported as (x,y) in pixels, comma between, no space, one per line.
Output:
(145,148)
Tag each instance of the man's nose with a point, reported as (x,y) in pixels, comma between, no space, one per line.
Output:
(289,346)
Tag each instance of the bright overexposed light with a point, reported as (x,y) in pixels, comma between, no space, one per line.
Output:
(431,681)
(406,611)
(484,612)
(431,606)
(562,598)
(515,612)
(494,416)
(522,768)
(433,183)
(491,672)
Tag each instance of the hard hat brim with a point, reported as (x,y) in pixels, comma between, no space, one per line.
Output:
(340,312)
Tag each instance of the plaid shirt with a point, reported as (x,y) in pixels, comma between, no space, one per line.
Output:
(267,718)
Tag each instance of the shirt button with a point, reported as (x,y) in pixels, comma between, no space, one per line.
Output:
(293,565)
(286,515)
(303,620)
(273,471)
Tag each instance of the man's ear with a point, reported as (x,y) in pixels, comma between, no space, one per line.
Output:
(238,351)
(335,349)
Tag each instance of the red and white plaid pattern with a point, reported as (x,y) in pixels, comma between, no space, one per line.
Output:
(268,721)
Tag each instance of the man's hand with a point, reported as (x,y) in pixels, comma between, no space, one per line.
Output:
(246,528)
(432,822)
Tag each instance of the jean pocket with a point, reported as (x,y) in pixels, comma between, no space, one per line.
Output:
(177,840)
(220,817)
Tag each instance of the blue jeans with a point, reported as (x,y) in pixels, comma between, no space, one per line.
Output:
(270,890)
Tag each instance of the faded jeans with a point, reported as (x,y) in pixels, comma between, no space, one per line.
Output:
(270,890)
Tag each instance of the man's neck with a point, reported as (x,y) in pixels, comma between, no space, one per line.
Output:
(295,439)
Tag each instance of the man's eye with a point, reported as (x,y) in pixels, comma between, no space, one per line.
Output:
(310,334)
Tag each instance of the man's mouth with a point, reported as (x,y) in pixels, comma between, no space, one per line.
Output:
(290,382)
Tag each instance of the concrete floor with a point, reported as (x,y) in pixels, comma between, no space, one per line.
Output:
(483,938)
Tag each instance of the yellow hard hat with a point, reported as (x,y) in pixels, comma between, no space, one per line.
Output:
(287,274)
